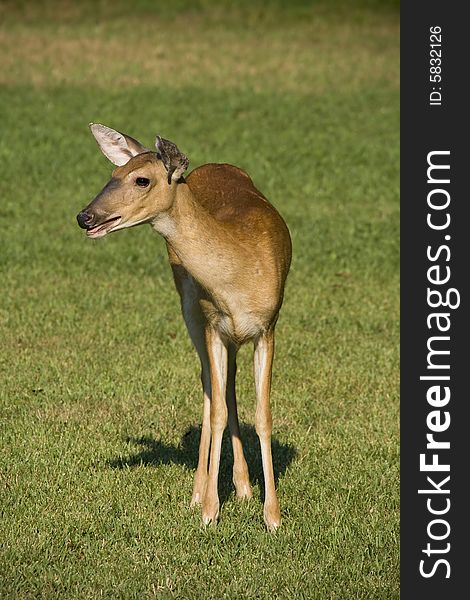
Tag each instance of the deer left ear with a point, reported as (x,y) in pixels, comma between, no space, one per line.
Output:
(174,160)
(118,147)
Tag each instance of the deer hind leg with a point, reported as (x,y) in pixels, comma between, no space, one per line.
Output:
(263,360)
(218,360)
(241,479)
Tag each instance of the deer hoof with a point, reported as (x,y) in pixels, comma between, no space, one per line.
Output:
(272,517)
(210,512)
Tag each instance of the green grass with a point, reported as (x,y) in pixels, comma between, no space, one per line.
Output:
(100,394)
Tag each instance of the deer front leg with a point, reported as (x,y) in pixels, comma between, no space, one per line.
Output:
(200,477)
(241,479)
(196,325)
(217,352)
(263,361)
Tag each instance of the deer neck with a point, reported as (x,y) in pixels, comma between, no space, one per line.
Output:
(200,241)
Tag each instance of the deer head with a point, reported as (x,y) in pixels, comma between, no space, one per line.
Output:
(141,187)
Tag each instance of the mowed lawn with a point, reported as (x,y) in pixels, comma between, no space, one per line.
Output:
(100,394)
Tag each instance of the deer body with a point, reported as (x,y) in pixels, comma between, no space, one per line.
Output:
(230,253)
(224,240)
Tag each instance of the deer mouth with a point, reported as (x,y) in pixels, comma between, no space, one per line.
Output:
(103,228)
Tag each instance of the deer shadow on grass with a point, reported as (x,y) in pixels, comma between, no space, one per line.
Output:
(152,452)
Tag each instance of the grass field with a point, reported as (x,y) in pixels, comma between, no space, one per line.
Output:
(100,393)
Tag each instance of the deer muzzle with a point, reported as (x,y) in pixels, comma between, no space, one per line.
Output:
(96,229)
(84,219)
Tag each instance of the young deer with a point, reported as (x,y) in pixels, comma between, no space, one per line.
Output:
(230,252)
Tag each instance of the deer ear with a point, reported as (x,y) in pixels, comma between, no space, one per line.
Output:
(117,147)
(174,160)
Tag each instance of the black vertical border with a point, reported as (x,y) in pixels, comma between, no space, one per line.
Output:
(425,128)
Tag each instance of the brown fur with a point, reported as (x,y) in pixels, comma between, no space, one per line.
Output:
(230,253)
(249,226)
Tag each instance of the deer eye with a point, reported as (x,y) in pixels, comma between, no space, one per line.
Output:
(142,181)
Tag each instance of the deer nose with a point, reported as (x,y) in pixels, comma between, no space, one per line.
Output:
(84,219)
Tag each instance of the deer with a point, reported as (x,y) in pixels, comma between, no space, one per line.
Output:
(230,252)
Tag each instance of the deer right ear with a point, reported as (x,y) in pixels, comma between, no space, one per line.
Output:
(174,160)
(117,147)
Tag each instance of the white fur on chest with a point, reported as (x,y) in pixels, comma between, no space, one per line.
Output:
(245,327)
(237,324)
